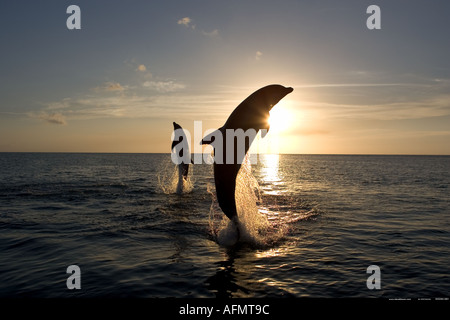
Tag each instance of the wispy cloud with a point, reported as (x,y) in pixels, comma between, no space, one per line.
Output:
(157,99)
(189,23)
(213,33)
(110,87)
(90,107)
(142,96)
(164,86)
(52,118)
(430,107)
(423,98)
(114,86)
(350,85)
(258,55)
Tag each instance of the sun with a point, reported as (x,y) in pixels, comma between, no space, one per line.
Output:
(280,118)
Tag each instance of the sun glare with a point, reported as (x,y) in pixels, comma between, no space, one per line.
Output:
(280,118)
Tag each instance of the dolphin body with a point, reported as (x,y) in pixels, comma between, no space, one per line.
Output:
(252,113)
(181,148)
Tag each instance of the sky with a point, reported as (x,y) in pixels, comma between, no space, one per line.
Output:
(134,67)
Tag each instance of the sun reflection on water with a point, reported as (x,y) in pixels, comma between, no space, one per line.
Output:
(271,177)
(272,253)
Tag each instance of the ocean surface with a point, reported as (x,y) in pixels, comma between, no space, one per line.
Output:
(313,225)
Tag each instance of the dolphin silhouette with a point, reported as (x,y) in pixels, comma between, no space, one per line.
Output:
(180,149)
(252,113)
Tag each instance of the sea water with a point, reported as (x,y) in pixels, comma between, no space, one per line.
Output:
(313,224)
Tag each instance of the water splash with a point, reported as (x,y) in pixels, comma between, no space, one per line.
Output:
(253,227)
(170,180)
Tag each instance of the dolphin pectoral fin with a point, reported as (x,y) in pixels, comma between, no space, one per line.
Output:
(210,138)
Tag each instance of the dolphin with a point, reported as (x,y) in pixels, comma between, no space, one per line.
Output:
(180,149)
(252,113)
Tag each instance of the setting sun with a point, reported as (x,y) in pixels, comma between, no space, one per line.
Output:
(280,118)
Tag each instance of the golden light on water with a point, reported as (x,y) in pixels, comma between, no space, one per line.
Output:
(270,174)
(271,253)
(270,169)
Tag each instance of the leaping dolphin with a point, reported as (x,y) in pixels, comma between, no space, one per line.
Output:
(252,113)
(180,149)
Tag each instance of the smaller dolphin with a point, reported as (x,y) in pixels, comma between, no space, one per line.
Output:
(182,155)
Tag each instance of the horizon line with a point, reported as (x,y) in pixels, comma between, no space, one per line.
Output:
(168,153)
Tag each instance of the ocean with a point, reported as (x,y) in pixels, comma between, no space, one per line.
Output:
(314,224)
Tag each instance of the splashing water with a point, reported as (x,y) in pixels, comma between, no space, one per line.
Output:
(254,226)
(170,180)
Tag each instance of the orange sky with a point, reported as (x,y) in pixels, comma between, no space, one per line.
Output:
(117,84)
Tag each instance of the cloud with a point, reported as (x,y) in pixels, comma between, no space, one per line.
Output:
(141,68)
(258,55)
(379,101)
(91,107)
(114,86)
(164,86)
(187,22)
(138,67)
(53,118)
(64,103)
(141,104)
(145,98)
(438,106)
(352,85)
(213,33)
(110,87)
